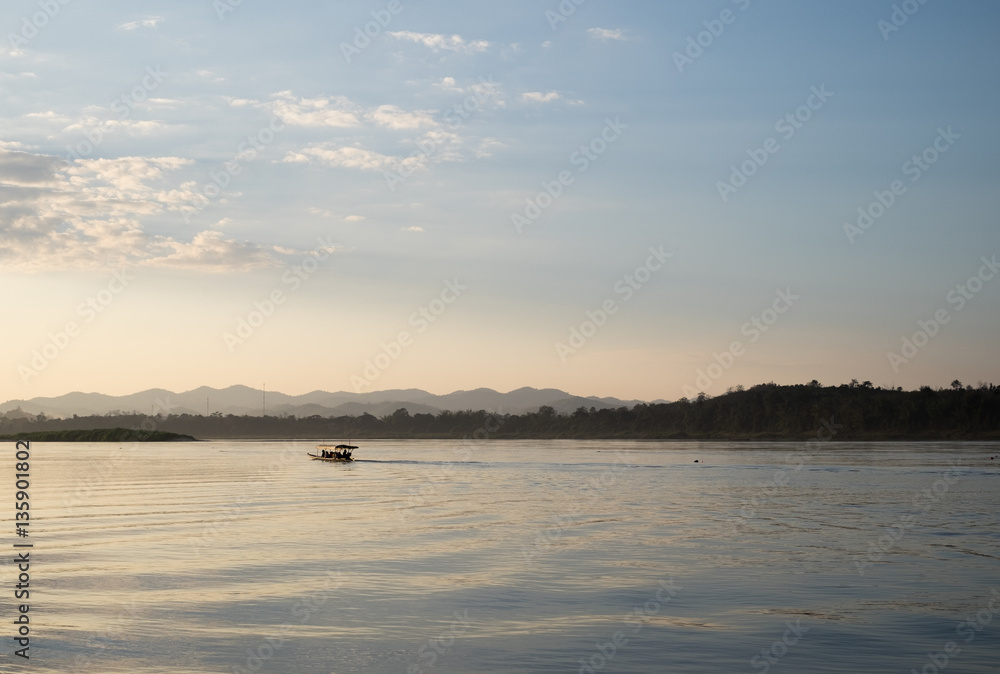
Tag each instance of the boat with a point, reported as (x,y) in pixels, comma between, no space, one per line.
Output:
(334,453)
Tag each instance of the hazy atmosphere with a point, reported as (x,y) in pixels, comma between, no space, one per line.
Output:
(633,199)
(440,337)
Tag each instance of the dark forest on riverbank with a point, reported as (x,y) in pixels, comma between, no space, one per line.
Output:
(765,411)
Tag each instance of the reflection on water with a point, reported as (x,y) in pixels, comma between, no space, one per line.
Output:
(534,556)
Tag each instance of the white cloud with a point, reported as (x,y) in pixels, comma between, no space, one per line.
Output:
(88,215)
(335,111)
(437,42)
(168,103)
(209,251)
(148,22)
(539,97)
(487,92)
(429,142)
(341,112)
(412,229)
(486,147)
(209,75)
(135,127)
(449,84)
(392,117)
(607,34)
(328,154)
(355,218)
(48,116)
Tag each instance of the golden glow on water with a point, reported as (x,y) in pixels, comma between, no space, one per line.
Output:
(180,557)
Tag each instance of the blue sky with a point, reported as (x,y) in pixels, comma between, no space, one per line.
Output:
(311,149)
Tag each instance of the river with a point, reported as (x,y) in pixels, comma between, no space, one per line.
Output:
(512,556)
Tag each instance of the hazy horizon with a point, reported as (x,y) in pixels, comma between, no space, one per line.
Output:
(630,200)
(581,394)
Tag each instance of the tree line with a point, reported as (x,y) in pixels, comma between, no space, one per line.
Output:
(766,411)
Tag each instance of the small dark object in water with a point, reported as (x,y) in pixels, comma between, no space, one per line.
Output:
(696,460)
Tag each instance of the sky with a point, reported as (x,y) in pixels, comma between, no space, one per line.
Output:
(644,200)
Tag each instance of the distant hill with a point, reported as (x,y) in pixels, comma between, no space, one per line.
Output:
(243,400)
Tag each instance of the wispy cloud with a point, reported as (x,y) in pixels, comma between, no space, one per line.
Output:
(209,75)
(148,22)
(392,117)
(539,97)
(437,42)
(334,111)
(414,228)
(211,251)
(449,84)
(329,154)
(606,34)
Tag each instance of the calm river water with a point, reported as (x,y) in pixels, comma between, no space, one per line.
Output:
(537,556)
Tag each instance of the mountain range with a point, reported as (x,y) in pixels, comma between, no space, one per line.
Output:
(242,400)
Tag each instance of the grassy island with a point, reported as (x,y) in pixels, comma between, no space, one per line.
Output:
(100,435)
